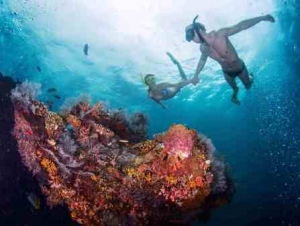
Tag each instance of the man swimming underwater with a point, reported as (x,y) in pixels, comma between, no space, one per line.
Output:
(216,45)
(164,91)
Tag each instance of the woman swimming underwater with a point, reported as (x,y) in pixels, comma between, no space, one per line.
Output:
(164,91)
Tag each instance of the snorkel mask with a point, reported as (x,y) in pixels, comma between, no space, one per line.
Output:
(147,79)
(190,31)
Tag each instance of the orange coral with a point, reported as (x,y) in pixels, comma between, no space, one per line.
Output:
(74,121)
(83,135)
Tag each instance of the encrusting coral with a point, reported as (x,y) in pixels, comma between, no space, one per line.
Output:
(103,168)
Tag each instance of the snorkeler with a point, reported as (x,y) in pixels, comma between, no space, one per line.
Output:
(164,91)
(217,46)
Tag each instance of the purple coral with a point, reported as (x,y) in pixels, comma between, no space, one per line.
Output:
(219,184)
(24,93)
(66,150)
(67,144)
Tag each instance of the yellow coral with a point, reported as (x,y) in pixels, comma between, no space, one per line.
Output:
(130,172)
(73,214)
(52,123)
(49,166)
(39,153)
(110,169)
(201,156)
(148,177)
(145,147)
(94,178)
(192,184)
(171,180)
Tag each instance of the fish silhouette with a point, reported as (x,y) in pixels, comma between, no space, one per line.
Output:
(34,200)
(56,96)
(51,90)
(86,49)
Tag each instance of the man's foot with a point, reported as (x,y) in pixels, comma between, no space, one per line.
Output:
(251,77)
(234,98)
(235,101)
(172,58)
(269,18)
(248,86)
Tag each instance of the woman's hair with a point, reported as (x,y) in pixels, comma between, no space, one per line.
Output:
(146,77)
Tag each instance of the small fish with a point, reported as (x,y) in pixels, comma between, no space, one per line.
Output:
(38,68)
(56,96)
(34,200)
(123,141)
(51,90)
(86,49)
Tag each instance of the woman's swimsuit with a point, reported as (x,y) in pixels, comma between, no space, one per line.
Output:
(165,92)
(234,74)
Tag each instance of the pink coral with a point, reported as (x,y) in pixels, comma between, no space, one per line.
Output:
(179,141)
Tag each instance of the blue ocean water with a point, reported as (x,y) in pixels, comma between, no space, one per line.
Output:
(42,41)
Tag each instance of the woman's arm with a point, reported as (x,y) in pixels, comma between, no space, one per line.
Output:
(157,101)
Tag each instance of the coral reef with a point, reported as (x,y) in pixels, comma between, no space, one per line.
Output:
(101,166)
(17,184)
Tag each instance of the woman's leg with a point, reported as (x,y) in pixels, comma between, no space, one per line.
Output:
(181,72)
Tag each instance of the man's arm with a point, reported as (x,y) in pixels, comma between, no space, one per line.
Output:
(200,65)
(245,24)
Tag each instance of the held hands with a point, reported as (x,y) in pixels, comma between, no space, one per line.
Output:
(269,18)
(195,80)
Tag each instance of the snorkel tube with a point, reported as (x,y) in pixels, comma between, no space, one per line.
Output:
(142,77)
(196,29)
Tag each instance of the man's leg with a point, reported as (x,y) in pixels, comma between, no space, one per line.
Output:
(246,79)
(231,81)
